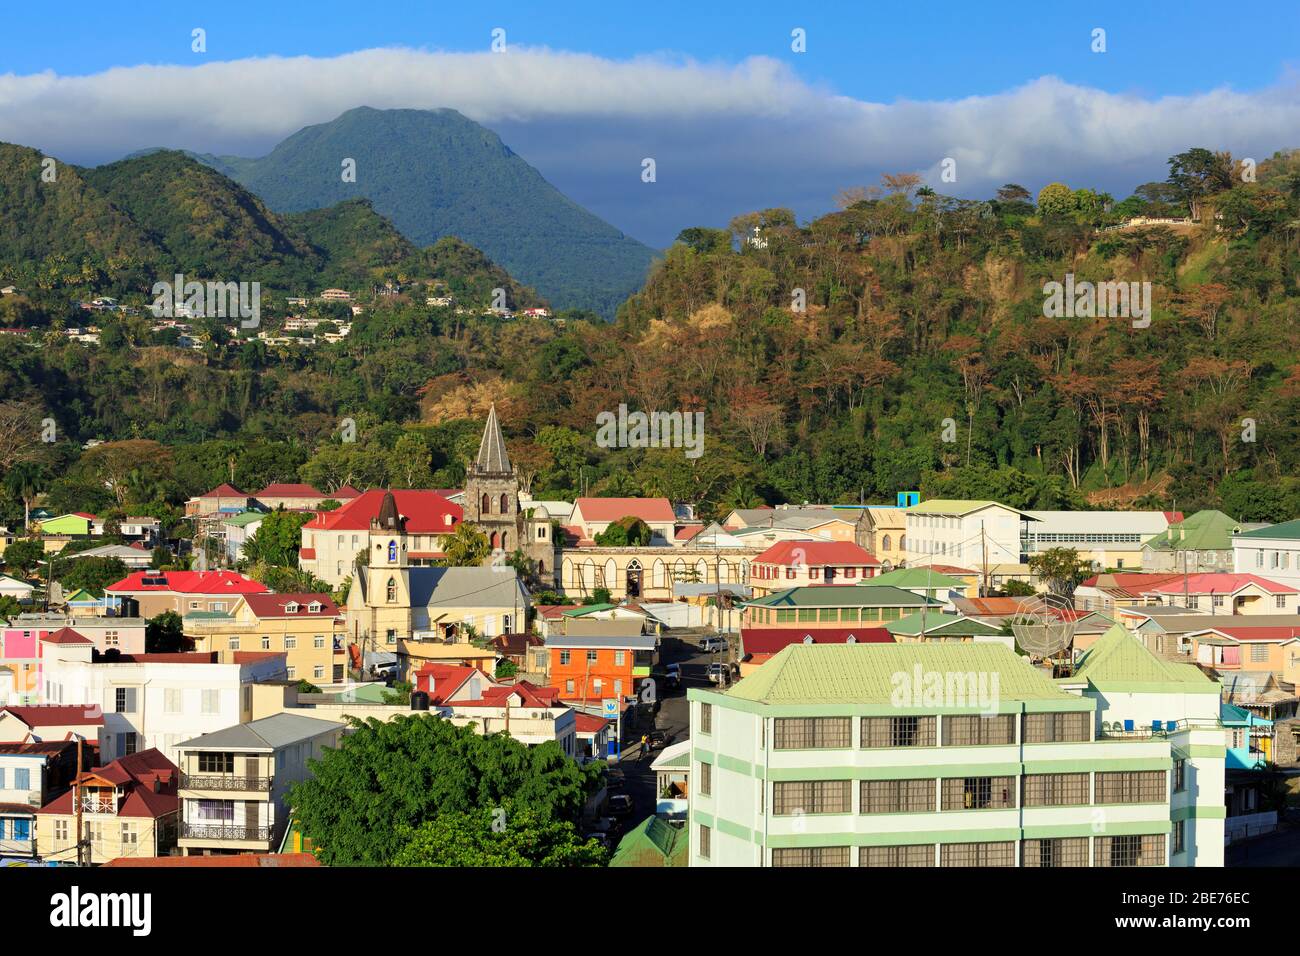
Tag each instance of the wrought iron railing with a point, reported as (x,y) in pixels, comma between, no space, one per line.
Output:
(223,831)
(204,781)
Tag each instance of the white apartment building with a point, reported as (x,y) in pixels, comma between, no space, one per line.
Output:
(1109,539)
(969,533)
(919,755)
(1272,552)
(154,700)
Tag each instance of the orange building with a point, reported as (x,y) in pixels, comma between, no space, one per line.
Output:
(587,668)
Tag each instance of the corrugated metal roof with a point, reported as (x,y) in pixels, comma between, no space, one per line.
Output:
(1120,657)
(846,595)
(269,733)
(866,673)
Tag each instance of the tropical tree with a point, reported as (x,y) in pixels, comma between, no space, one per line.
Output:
(511,835)
(1061,569)
(466,547)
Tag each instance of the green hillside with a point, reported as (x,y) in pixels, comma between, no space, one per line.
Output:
(434,173)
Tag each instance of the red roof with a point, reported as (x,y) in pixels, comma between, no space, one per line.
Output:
(1247,634)
(951,569)
(1132,583)
(284,490)
(555,611)
(588,724)
(224,491)
(346,492)
(175,657)
(816,554)
(135,774)
(531,694)
(58,715)
(66,635)
(86,514)
(240,860)
(252,657)
(187,582)
(425,512)
(440,681)
(1219,583)
(611,509)
(274,605)
(992,605)
(769,640)
(688,532)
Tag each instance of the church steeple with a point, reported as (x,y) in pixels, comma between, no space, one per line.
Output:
(492,458)
(389,518)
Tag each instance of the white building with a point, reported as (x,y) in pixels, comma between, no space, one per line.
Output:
(154,700)
(1272,552)
(922,755)
(1109,539)
(970,533)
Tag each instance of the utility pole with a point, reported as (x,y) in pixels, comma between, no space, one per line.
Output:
(984,553)
(76,804)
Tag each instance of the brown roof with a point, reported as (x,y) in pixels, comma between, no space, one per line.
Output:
(57,715)
(66,635)
(224,491)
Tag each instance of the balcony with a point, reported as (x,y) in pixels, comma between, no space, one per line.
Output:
(218,781)
(98,804)
(224,831)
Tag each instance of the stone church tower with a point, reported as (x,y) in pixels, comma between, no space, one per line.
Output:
(388,576)
(492,504)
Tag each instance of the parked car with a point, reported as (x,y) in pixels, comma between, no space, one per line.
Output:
(717,673)
(712,644)
(658,739)
(620,805)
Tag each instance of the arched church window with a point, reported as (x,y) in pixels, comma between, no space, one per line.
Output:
(485,506)
(392,590)
(505,504)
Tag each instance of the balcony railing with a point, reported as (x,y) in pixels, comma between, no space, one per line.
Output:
(223,831)
(217,781)
(98,805)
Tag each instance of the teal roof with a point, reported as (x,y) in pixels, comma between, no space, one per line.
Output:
(944,625)
(868,673)
(244,519)
(843,595)
(1289,530)
(1120,661)
(653,842)
(912,578)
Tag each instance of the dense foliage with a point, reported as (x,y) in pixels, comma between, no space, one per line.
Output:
(386,780)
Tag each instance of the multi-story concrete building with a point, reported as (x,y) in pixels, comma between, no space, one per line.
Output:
(1107,539)
(958,755)
(235,782)
(308,628)
(973,533)
(155,700)
(1273,552)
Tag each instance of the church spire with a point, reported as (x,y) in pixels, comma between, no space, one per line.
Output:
(492,458)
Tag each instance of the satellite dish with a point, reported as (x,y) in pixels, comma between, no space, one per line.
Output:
(1043,624)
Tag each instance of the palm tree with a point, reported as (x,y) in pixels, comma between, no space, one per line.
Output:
(22,481)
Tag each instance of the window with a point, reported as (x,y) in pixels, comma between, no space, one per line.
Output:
(110,639)
(211,701)
(706,718)
(216,762)
(898,731)
(2,778)
(1180,836)
(61,830)
(125,744)
(1180,776)
(706,778)
(291,643)
(592,656)
(812,856)
(124,700)
(266,642)
(1279,601)
(897,796)
(318,672)
(978,793)
(318,641)
(217,811)
(619,657)
(973,729)
(705,840)
(1136,850)
(234,643)
(1193,601)
(1063,851)
(22,830)
(568,687)
(1056,728)
(1131,786)
(392,591)
(564,657)
(915,855)
(22,779)
(811,733)
(128,834)
(1218,600)
(811,796)
(978,854)
(390,636)
(1054,789)
(1258,653)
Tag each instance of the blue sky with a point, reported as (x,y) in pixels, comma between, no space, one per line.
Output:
(734,118)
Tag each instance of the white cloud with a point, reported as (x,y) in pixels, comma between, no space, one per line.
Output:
(726,137)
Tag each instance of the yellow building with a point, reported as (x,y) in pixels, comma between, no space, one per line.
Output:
(308,628)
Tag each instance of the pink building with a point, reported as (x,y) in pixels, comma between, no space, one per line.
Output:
(21,647)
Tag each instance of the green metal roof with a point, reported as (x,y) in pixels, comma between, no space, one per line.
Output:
(244,519)
(959,506)
(1203,531)
(944,625)
(652,842)
(588,609)
(868,673)
(1289,530)
(206,616)
(1119,660)
(912,578)
(843,595)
